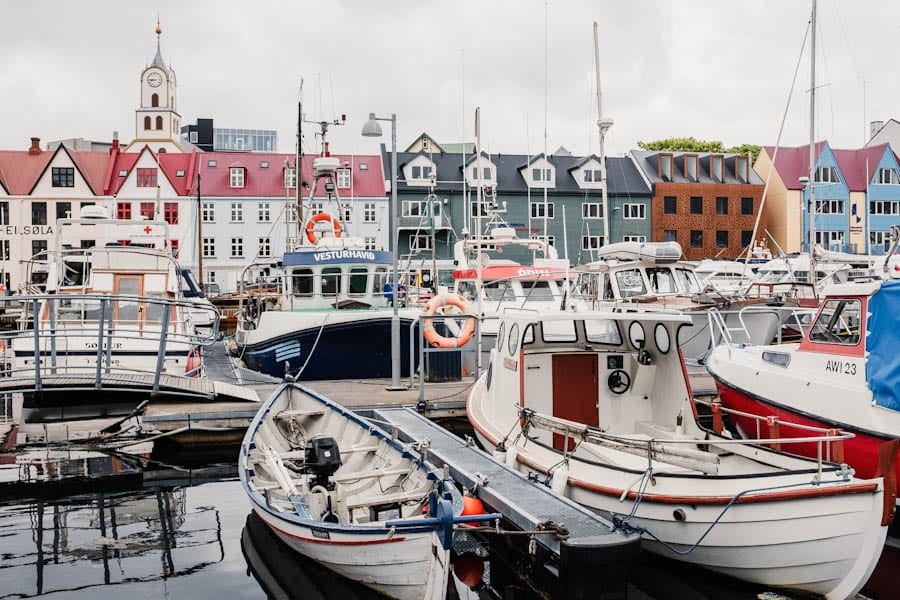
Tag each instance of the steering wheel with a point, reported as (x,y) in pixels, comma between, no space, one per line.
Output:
(618,381)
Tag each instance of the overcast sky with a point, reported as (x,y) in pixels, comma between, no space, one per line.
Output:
(715,70)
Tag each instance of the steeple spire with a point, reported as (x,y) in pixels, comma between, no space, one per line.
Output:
(158,59)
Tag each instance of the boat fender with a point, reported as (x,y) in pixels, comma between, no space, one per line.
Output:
(512,453)
(560,479)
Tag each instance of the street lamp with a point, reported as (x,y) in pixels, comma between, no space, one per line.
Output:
(373,129)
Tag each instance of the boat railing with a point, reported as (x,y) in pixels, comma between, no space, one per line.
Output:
(677,450)
(722,333)
(54,329)
(418,360)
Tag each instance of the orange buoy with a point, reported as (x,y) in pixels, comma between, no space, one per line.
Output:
(194,361)
(469,568)
(432,336)
(311,226)
(472,506)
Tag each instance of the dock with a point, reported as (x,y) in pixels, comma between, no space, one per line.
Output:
(584,561)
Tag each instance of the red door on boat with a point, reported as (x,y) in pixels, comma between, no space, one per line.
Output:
(575,392)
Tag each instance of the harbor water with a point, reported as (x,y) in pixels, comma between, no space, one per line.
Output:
(83,524)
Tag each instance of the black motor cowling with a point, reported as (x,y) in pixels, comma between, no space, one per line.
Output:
(323,458)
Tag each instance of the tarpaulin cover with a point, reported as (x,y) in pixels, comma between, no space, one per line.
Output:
(883,345)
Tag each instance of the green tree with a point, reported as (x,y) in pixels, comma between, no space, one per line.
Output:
(691,144)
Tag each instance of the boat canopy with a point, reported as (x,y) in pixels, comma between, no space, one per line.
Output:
(883,339)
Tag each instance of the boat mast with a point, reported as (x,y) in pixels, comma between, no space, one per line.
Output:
(199,232)
(603,126)
(812,149)
(297,155)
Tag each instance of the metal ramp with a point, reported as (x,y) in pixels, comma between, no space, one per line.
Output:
(524,503)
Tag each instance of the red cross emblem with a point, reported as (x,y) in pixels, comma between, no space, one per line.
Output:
(148,229)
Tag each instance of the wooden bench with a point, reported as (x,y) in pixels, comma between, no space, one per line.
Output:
(355,475)
(380,499)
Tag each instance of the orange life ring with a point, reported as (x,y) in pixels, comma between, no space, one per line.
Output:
(432,336)
(311,226)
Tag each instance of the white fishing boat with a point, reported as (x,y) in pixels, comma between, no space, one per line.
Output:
(598,405)
(725,277)
(652,275)
(842,375)
(341,491)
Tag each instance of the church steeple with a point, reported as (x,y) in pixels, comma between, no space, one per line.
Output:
(157,122)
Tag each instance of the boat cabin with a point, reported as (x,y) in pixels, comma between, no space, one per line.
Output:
(617,371)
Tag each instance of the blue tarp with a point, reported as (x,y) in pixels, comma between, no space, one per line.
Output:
(883,345)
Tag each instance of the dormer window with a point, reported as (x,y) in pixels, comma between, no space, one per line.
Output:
(593,176)
(542,175)
(343,179)
(690,166)
(424,143)
(742,168)
(716,167)
(486,173)
(264,164)
(664,167)
(888,177)
(420,172)
(290,177)
(827,175)
(237,177)
(363,166)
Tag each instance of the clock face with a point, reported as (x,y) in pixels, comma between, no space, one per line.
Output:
(154,79)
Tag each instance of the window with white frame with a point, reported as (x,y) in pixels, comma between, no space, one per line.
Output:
(884,207)
(343,179)
(634,238)
(591,242)
(541,174)
(316,208)
(419,242)
(538,210)
(591,210)
(291,211)
(369,242)
(264,248)
(346,213)
(211,276)
(551,239)
(593,175)
(264,212)
(486,174)
(634,211)
(209,212)
(879,239)
(209,247)
(829,207)
(4,249)
(237,212)
(369,212)
(290,177)
(420,172)
(827,175)
(237,177)
(888,177)
(413,208)
(828,238)
(237,247)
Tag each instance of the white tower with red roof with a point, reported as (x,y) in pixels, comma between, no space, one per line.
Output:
(156,121)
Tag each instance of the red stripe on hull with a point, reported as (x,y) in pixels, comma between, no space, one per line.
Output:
(336,542)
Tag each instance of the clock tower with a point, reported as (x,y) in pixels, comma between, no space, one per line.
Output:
(156,121)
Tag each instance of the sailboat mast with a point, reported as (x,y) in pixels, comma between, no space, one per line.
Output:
(297,163)
(603,126)
(812,148)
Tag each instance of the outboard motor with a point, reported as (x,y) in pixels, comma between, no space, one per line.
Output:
(323,458)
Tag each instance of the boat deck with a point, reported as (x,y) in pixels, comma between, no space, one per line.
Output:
(524,503)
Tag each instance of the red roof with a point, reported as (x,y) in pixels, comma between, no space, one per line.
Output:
(793,163)
(93,166)
(19,169)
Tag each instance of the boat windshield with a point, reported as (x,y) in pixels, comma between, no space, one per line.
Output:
(687,281)
(662,280)
(838,323)
(499,290)
(630,283)
(538,290)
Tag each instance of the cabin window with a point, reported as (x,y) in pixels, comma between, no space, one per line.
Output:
(558,331)
(687,281)
(499,290)
(378,280)
(838,323)
(331,281)
(538,290)
(630,283)
(512,343)
(302,282)
(359,277)
(155,310)
(466,289)
(602,331)
(500,334)
(662,280)
(528,336)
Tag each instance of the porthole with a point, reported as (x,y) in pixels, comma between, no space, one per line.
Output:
(513,339)
(636,335)
(501,333)
(663,341)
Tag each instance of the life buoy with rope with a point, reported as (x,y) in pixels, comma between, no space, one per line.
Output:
(311,226)
(440,341)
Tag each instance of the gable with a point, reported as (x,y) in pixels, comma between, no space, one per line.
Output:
(137,185)
(69,179)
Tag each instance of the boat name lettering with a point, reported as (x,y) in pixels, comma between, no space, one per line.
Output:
(320,533)
(527,272)
(12,230)
(338,254)
(842,368)
(93,345)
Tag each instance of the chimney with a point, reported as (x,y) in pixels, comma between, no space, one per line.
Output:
(114,149)
(35,146)
(875,127)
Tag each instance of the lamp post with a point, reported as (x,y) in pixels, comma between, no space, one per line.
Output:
(373,129)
